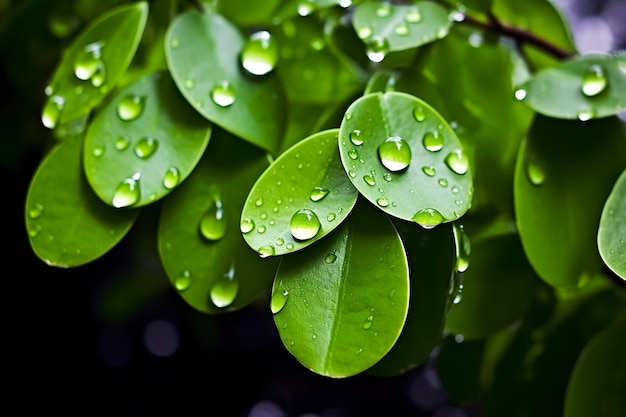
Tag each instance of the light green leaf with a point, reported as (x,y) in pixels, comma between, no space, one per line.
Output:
(340,305)
(300,198)
(200,245)
(598,381)
(612,230)
(405,158)
(216,84)
(584,88)
(67,224)
(143,143)
(385,27)
(93,63)
(563,175)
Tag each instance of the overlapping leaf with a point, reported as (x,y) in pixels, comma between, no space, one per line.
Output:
(612,230)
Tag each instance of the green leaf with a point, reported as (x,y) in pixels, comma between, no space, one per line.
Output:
(459,367)
(257,13)
(217,86)
(200,246)
(584,88)
(563,175)
(384,143)
(496,288)
(93,63)
(612,230)
(300,198)
(431,262)
(340,305)
(67,224)
(385,27)
(598,380)
(143,143)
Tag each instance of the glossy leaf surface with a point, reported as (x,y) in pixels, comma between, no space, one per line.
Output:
(68,225)
(405,158)
(612,230)
(340,305)
(300,198)
(143,143)
(200,245)
(93,64)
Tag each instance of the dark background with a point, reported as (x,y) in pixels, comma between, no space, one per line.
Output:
(113,336)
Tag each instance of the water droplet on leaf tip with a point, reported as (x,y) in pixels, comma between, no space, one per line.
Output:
(266,251)
(428,218)
(377,48)
(127,192)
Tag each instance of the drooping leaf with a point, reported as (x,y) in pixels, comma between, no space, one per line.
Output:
(67,224)
(200,245)
(216,84)
(339,306)
(94,63)
(612,230)
(598,380)
(405,158)
(563,175)
(300,198)
(143,143)
(586,87)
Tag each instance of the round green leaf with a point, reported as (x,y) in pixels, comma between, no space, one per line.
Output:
(340,305)
(405,158)
(67,224)
(612,230)
(217,85)
(301,197)
(143,143)
(93,63)
(385,27)
(563,175)
(201,248)
(598,381)
(584,88)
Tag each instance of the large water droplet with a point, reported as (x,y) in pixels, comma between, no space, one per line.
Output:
(146,147)
(246,225)
(260,53)
(88,63)
(401,29)
(224,291)
(377,48)
(318,193)
(355,137)
(182,282)
(52,111)
(428,218)
(130,107)
(171,178)
(594,81)
(223,94)
(127,192)
(304,224)
(213,222)
(395,154)
(432,141)
(457,161)
(278,300)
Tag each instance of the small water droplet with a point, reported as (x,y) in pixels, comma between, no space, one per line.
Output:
(419,114)
(377,48)
(356,138)
(225,289)
(585,115)
(183,281)
(401,29)
(428,218)
(175,43)
(318,193)
(413,15)
(353,154)
(52,111)
(259,202)
(395,154)
(122,143)
(189,84)
(330,217)
(98,150)
(130,107)
(267,250)
(457,161)
(432,141)
(367,324)
(429,170)
(369,180)
(246,225)
(520,94)
(146,147)
(261,229)
(382,201)
(387,177)
(383,10)
(330,258)
(223,94)
(34,231)
(364,32)
(213,222)
(594,81)
(171,178)
(260,53)
(278,300)
(535,170)
(352,173)
(127,192)
(35,211)
(455,189)
(304,224)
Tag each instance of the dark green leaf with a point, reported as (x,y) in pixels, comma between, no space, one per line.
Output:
(612,230)
(459,366)
(257,13)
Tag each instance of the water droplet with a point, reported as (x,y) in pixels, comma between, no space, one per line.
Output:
(462,246)
(520,94)
(383,10)
(387,177)
(213,223)
(455,189)
(306,7)
(261,229)
(246,225)
(369,179)
(330,217)
(594,81)
(457,299)
(443,182)
(175,43)
(382,201)
(146,147)
(130,107)
(52,111)
(457,161)
(395,154)
(189,84)
(401,29)
(122,143)
(34,231)
(267,250)
(35,211)
(428,218)
(429,170)
(259,202)
(585,115)
(535,170)
(223,94)
(419,114)
(355,138)
(224,291)
(377,48)
(278,300)
(318,193)
(353,154)
(260,53)
(98,151)
(304,224)
(413,15)
(317,44)
(171,178)
(330,258)
(367,324)
(182,282)
(289,246)
(432,141)
(88,64)
(127,192)
(352,173)
(364,32)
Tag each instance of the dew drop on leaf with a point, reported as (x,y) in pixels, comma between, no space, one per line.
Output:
(355,137)
(278,300)
(419,114)
(267,250)
(428,218)
(395,154)
(330,258)
(35,211)
(88,62)
(377,48)
(130,107)
(260,53)
(594,81)
(382,201)
(52,111)
(401,29)
(318,193)
(364,32)
(535,171)
(146,147)
(413,15)
(432,141)
(127,192)
(183,281)
(369,180)
(98,151)
(224,291)
(171,178)
(429,170)
(213,222)
(383,10)
(304,224)
(122,143)
(223,94)
(246,225)
(457,161)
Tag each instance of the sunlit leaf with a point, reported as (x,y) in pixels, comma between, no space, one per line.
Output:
(612,230)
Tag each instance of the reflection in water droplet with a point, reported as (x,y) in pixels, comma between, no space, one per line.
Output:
(130,107)
(429,170)
(318,193)
(171,178)
(260,53)
(594,81)
(35,211)
(146,147)
(419,114)
(224,291)
(278,300)
(535,170)
(413,15)
(304,224)
(428,218)
(382,201)
(395,154)
(246,225)
(213,222)
(377,48)
(223,94)
(267,250)
(127,192)
(330,258)
(355,137)
(122,143)
(52,111)
(457,161)
(432,141)
(182,282)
